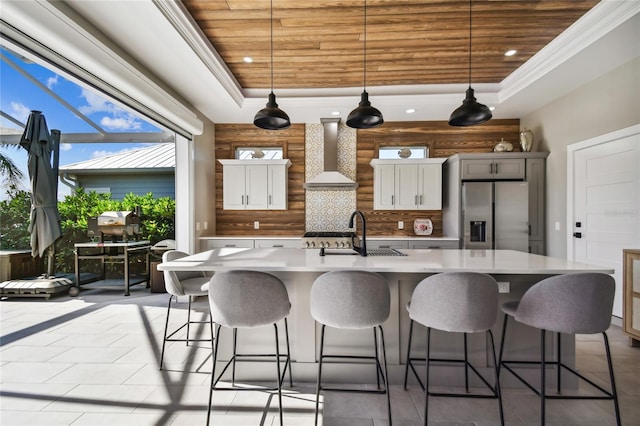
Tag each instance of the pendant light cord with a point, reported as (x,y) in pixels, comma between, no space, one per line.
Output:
(271,19)
(364,65)
(469,43)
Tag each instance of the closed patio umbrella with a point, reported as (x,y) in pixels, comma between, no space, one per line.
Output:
(42,149)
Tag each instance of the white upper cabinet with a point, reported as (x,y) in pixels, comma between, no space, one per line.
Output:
(255,184)
(409,184)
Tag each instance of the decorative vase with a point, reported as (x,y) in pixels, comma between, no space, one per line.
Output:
(526,140)
(422,226)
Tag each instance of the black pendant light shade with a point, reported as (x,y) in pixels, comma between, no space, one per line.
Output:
(364,116)
(271,117)
(470,112)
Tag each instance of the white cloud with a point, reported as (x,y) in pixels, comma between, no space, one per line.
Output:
(20,111)
(52,81)
(65,146)
(115,119)
(121,123)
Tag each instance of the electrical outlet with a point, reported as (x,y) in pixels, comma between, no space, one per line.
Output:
(256,225)
(503,287)
(557,227)
(206,225)
(197,226)
(400,224)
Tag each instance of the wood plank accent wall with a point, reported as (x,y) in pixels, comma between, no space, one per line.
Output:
(272,222)
(443,141)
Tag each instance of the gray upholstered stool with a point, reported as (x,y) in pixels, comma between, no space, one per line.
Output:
(462,302)
(245,299)
(352,300)
(572,304)
(183,283)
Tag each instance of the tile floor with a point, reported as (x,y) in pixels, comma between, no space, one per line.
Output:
(93,360)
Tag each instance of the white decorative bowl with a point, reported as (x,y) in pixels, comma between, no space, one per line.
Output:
(422,226)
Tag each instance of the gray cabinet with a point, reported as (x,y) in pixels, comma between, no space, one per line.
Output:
(528,167)
(493,169)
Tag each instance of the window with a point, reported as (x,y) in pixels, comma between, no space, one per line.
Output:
(259,152)
(395,152)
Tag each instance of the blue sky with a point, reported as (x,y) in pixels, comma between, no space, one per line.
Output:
(19,95)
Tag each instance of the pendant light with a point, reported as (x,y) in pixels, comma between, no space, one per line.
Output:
(471,112)
(271,117)
(365,116)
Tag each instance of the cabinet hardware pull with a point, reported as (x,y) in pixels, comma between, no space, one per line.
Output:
(490,168)
(270,200)
(392,200)
(420,199)
(242,200)
(415,200)
(496,168)
(229,245)
(278,245)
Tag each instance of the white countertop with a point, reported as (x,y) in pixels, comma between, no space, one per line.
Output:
(416,261)
(372,238)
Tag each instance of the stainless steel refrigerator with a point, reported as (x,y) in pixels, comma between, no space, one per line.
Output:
(495,215)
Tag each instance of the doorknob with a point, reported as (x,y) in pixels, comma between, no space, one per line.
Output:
(577,234)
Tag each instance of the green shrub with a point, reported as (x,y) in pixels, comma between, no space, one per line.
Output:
(156,220)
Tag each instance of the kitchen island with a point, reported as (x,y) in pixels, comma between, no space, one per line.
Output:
(297,268)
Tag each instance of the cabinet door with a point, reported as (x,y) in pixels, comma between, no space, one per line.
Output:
(381,244)
(256,187)
(228,243)
(493,168)
(277,188)
(430,187)
(477,169)
(406,187)
(508,168)
(233,193)
(384,187)
(536,179)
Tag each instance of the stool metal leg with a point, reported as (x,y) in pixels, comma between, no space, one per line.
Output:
(498,391)
(614,392)
(213,371)
(426,380)
(406,366)
(559,359)
(466,365)
(286,331)
(233,366)
(504,333)
(188,319)
(542,377)
(319,373)
(166,327)
(279,377)
(375,345)
(386,374)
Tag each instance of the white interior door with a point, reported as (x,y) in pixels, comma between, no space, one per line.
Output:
(604,201)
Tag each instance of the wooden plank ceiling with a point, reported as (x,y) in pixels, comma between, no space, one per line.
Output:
(319,43)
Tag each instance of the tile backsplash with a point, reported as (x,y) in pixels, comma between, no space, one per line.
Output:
(329,210)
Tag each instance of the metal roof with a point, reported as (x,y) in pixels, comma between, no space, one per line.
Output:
(159,157)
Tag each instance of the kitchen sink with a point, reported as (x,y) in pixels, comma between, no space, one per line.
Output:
(385,252)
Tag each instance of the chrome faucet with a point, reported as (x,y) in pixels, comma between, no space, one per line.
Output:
(362,249)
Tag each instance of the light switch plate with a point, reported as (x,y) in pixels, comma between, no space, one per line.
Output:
(256,225)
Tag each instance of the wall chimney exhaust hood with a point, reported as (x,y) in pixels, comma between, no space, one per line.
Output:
(330,178)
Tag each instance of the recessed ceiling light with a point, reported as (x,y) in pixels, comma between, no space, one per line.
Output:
(335,113)
(510,52)
(492,108)
(248,59)
(410,111)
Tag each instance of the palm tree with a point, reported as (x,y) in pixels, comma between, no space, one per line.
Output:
(8,169)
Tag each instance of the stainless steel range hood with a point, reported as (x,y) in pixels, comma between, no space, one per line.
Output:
(330,178)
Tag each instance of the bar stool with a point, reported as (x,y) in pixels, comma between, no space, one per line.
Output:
(246,299)
(183,283)
(352,300)
(580,303)
(461,302)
